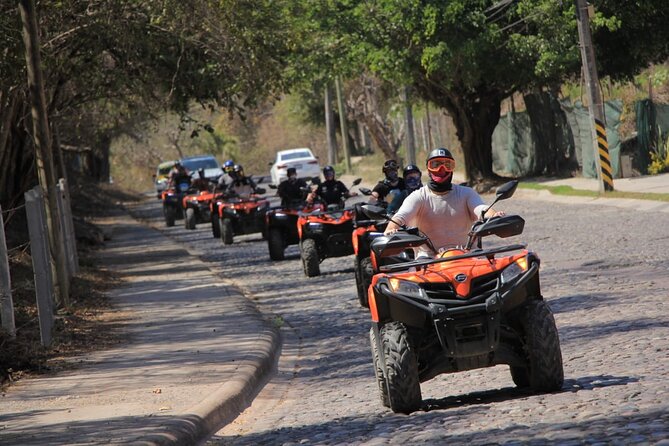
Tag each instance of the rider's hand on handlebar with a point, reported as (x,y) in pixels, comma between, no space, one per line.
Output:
(496,214)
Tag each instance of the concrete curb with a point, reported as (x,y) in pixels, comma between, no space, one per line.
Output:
(233,397)
(224,405)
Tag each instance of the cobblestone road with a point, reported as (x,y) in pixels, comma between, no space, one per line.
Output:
(605,274)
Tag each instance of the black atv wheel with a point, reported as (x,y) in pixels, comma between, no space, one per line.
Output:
(378,369)
(401,369)
(275,244)
(366,273)
(170,215)
(215,228)
(226,230)
(310,261)
(189,221)
(544,371)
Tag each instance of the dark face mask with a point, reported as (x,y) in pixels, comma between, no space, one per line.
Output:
(441,187)
(392,176)
(412,183)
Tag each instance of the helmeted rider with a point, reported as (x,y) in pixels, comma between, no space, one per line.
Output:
(225,180)
(330,191)
(242,186)
(442,210)
(292,189)
(178,172)
(391,182)
(412,181)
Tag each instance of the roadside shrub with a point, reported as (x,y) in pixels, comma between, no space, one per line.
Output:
(660,157)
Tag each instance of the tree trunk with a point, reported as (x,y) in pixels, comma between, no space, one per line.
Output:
(475,117)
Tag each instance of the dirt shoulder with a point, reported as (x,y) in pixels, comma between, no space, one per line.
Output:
(90,322)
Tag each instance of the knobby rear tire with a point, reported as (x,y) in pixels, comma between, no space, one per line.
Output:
(378,369)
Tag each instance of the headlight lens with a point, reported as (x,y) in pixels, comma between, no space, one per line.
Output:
(405,287)
(514,270)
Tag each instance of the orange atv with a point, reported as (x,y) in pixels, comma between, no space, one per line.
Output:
(171,198)
(281,225)
(197,208)
(323,234)
(464,309)
(241,215)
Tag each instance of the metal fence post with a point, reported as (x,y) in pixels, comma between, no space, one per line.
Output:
(69,225)
(63,232)
(6,302)
(39,252)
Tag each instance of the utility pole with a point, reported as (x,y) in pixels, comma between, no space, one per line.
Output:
(42,142)
(330,130)
(342,123)
(596,109)
(408,116)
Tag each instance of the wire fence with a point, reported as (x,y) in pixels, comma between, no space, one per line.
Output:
(44,260)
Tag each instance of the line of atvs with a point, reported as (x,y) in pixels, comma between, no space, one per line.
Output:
(462,309)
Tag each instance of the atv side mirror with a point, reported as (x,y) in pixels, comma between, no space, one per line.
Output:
(273,186)
(260,190)
(316,181)
(503,192)
(506,190)
(357,181)
(271,163)
(365,191)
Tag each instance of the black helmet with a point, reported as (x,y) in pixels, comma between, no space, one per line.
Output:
(291,171)
(390,165)
(440,153)
(328,170)
(411,168)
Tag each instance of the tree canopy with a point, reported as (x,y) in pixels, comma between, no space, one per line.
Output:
(468,55)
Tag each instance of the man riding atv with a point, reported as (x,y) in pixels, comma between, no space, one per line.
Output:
(391,182)
(241,185)
(330,191)
(442,210)
(292,190)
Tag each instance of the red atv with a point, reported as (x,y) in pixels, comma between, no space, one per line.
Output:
(171,198)
(281,225)
(197,208)
(464,309)
(325,233)
(241,215)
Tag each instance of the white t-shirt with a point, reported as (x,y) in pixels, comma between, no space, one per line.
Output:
(445,218)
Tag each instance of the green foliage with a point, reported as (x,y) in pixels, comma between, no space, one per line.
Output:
(659,157)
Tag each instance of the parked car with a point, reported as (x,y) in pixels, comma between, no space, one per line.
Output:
(211,166)
(303,160)
(160,177)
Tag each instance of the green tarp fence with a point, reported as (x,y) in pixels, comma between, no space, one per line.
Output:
(552,136)
(652,124)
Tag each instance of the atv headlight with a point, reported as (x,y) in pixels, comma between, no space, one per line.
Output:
(514,270)
(405,287)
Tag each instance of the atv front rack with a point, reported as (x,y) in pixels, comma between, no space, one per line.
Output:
(475,253)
